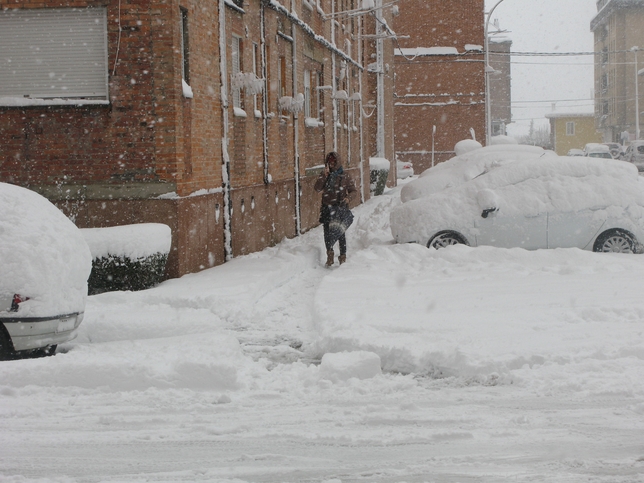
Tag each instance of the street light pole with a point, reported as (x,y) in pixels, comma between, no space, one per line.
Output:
(488,69)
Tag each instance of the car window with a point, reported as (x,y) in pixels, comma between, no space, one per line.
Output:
(640,149)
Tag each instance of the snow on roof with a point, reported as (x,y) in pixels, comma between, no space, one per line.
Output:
(420,51)
(554,115)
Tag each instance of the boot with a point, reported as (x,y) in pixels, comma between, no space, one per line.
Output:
(342,259)
(329,258)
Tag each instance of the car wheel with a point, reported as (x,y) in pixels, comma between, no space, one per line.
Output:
(617,241)
(446,238)
(6,347)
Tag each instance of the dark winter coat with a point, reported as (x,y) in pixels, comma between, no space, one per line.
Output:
(335,189)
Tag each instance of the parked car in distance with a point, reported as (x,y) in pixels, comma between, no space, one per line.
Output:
(554,202)
(635,154)
(616,149)
(404,169)
(44,266)
(588,147)
(599,151)
(576,152)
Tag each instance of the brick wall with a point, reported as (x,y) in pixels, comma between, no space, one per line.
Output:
(446,91)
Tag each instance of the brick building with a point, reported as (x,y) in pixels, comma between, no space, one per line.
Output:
(439,78)
(211,117)
(500,84)
(619,40)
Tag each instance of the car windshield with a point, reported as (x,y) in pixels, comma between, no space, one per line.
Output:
(640,149)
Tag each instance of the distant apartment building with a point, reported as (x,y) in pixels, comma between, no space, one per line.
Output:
(439,94)
(618,30)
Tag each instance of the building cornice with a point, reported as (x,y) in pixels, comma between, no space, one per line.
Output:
(606,7)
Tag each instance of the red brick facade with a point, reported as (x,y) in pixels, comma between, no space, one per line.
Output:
(228,177)
(442,86)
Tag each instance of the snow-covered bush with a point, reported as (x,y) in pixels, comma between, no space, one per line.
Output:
(378,174)
(128,257)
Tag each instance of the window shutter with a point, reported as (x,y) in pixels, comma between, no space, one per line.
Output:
(53,53)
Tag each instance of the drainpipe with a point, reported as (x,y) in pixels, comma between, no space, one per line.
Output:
(264,45)
(333,83)
(225,167)
(360,53)
(296,134)
(380,139)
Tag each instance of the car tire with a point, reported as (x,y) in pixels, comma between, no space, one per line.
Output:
(6,347)
(615,241)
(446,238)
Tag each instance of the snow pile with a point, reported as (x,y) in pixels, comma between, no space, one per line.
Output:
(43,256)
(465,167)
(379,164)
(500,139)
(465,146)
(345,365)
(131,241)
(489,313)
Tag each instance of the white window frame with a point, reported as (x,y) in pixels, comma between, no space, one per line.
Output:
(570,128)
(51,56)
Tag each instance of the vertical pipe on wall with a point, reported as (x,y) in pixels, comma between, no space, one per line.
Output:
(225,167)
(296,133)
(262,18)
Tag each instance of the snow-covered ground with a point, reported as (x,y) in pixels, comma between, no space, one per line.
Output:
(461,365)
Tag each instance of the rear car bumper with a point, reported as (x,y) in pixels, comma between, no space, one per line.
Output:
(29,333)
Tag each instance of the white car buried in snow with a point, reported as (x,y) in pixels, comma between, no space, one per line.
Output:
(44,266)
(551,202)
(467,166)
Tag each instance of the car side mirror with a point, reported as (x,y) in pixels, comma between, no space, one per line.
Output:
(488,211)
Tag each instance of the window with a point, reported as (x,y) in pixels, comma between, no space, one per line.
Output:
(54,53)
(570,128)
(307,93)
(282,76)
(185,46)
(236,69)
(257,68)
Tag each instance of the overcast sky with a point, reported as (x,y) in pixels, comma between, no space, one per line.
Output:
(547,26)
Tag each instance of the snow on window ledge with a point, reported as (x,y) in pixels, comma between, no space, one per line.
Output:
(30,101)
(187,90)
(239,112)
(312,122)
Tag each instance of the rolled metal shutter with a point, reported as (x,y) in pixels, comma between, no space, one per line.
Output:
(53,53)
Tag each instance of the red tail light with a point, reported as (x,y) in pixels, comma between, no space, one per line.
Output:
(17,299)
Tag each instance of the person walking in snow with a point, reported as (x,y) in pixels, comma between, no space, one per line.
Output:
(336,187)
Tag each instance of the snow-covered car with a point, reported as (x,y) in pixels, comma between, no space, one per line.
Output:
(576,152)
(467,166)
(44,266)
(599,151)
(555,202)
(635,154)
(404,169)
(616,149)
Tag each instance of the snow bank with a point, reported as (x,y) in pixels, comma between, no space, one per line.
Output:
(379,163)
(131,241)
(466,145)
(345,365)
(470,313)
(43,255)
